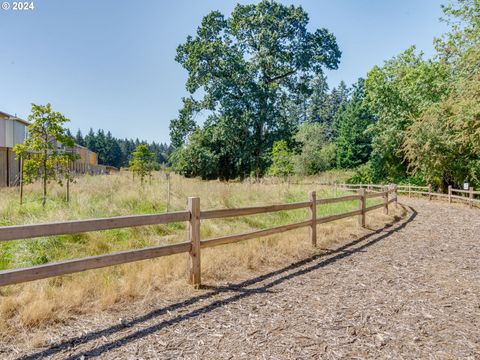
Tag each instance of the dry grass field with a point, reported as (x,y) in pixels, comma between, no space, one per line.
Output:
(33,307)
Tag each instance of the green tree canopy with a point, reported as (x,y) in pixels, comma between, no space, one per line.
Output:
(354,141)
(444,144)
(143,161)
(244,70)
(196,160)
(397,93)
(428,116)
(46,152)
(315,154)
(282,162)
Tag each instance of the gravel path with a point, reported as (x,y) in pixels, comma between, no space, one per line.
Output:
(409,291)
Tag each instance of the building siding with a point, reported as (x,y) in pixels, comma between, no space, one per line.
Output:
(3,167)
(14,131)
(9,134)
(3,134)
(19,131)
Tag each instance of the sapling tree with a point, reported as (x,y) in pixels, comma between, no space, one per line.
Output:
(282,160)
(142,162)
(167,172)
(44,152)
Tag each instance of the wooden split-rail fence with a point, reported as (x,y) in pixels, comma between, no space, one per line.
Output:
(193,216)
(466,196)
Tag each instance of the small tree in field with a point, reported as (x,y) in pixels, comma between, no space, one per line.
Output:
(43,152)
(142,162)
(282,164)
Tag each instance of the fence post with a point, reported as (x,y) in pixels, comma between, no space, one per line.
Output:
(167,175)
(450,194)
(194,238)
(395,187)
(313,216)
(429,191)
(409,190)
(21,180)
(385,200)
(361,206)
(471,197)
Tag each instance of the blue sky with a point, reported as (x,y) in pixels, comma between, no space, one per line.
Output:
(110,64)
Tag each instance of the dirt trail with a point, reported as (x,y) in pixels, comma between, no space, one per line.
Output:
(409,291)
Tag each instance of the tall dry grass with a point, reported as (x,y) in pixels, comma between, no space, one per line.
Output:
(36,305)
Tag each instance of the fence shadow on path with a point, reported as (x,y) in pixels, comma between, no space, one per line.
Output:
(240,291)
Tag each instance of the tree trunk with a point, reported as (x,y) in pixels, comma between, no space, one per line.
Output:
(45,158)
(44,179)
(21,180)
(44,201)
(259,135)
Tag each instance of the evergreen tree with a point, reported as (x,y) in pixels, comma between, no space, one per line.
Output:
(353,141)
(318,109)
(79,138)
(118,152)
(142,162)
(90,141)
(113,155)
(337,104)
(101,147)
(282,162)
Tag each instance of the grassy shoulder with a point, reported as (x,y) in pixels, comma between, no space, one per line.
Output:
(39,304)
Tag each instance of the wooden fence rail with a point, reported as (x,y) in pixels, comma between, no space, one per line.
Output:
(20,232)
(420,190)
(193,216)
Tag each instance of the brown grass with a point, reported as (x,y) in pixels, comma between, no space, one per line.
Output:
(33,307)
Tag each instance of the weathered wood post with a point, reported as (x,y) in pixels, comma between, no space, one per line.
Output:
(167,175)
(429,191)
(335,190)
(361,206)
(450,194)
(21,180)
(385,199)
(395,187)
(313,216)
(194,238)
(470,193)
(409,190)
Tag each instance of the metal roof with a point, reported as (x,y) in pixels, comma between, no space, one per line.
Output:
(25,122)
(16,118)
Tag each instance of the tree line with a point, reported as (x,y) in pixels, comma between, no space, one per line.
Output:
(118,152)
(258,79)
(47,153)
(427,127)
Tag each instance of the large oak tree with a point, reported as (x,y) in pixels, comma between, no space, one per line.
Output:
(243,71)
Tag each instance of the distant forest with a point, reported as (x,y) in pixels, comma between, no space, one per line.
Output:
(117,152)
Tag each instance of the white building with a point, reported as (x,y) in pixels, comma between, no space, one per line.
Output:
(13,130)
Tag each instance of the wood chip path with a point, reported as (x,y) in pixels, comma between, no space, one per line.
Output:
(409,291)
